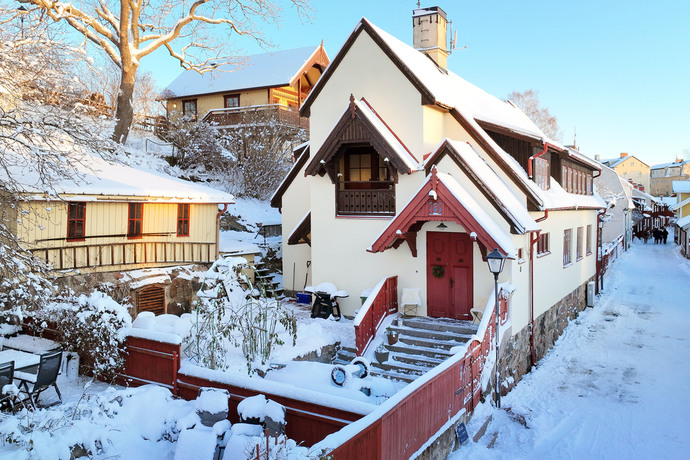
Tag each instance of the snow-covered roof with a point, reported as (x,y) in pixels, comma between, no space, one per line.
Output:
(613,162)
(669,165)
(677,206)
(273,69)
(681,186)
(581,158)
(97,179)
(453,91)
(684,222)
(488,177)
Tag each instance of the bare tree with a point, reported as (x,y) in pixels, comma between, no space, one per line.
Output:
(128,31)
(528,102)
(40,144)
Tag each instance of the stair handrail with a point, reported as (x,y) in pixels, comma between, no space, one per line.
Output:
(381,302)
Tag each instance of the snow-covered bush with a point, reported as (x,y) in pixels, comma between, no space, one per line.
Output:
(197,145)
(90,325)
(233,312)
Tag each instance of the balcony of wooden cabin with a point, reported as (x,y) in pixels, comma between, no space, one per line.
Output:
(257,115)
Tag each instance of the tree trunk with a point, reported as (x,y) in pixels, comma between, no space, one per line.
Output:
(124,114)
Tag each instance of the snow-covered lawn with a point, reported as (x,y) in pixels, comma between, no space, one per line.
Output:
(615,385)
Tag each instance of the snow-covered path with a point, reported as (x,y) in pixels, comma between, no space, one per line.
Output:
(617,383)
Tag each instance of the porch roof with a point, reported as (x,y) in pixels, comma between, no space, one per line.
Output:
(677,206)
(300,234)
(442,198)
(684,222)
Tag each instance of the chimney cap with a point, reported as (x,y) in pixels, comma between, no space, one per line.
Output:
(624,154)
(428,10)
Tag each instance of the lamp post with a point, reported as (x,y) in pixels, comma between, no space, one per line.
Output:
(496,260)
(22,11)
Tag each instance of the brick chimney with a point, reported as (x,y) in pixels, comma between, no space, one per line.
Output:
(624,154)
(429,31)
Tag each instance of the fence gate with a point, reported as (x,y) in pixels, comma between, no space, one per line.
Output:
(151,298)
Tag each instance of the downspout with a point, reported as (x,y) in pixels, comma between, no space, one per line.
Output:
(600,255)
(536,155)
(220,213)
(533,240)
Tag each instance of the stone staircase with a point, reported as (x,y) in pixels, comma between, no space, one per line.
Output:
(423,343)
(264,279)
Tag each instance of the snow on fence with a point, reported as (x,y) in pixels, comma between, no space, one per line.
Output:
(406,421)
(382,301)
(151,359)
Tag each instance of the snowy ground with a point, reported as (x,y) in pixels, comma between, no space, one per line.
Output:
(615,385)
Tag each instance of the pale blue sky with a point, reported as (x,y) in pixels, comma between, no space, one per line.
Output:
(617,71)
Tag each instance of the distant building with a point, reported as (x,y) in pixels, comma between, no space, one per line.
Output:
(663,175)
(617,227)
(629,168)
(682,209)
(275,82)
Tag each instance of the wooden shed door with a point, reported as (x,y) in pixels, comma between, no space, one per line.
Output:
(151,298)
(449,295)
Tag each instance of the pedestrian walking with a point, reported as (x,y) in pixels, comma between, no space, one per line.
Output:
(664,234)
(645,235)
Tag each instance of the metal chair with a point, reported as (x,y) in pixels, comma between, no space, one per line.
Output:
(7,398)
(34,384)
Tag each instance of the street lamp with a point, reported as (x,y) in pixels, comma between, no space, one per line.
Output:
(496,260)
(22,11)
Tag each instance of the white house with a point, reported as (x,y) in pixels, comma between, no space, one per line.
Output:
(618,221)
(413,171)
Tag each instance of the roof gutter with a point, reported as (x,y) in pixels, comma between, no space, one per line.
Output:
(534,237)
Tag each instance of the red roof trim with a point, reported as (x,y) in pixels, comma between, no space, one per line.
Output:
(423,208)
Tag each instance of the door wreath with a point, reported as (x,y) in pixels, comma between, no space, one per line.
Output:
(438,271)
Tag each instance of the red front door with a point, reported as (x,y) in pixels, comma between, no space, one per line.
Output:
(449,275)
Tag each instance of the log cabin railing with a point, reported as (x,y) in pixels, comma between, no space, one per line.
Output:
(127,253)
(238,116)
(382,301)
(441,395)
(380,202)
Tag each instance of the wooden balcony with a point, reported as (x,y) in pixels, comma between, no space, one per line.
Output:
(366,202)
(256,115)
(114,256)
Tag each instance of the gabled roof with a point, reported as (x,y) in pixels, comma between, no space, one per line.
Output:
(100,180)
(266,70)
(360,123)
(613,162)
(487,181)
(442,198)
(301,153)
(300,234)
(578,157)
(468,104)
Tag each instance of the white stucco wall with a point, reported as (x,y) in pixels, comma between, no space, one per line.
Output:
(296,204)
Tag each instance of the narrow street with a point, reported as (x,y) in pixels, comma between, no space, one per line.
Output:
(616,383)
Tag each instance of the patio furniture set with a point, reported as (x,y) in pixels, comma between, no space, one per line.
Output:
(28,366)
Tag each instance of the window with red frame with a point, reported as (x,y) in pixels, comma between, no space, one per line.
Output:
(543,244)
(136,214)
(76,221)
(182,220)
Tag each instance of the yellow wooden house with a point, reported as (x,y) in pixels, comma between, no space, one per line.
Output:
(113,217)
(682,209)
(274,82)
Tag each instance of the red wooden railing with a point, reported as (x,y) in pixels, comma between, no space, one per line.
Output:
(430,401)
(382,302)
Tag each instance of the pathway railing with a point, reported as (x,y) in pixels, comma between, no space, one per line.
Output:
(382,301)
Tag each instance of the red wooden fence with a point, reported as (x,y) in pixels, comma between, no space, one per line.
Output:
(149,361)
(382,302)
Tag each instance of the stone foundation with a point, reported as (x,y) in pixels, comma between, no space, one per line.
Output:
(180,283)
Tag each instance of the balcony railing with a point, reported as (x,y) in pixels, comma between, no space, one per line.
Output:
(374,202)
(256,115)
(95,256)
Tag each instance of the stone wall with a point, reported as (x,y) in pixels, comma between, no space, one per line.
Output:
(181,284)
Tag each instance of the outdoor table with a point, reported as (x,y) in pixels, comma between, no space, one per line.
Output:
(30,344)
(23,361)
